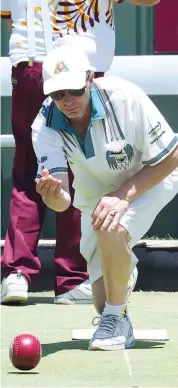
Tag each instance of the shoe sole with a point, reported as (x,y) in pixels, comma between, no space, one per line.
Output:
(72,302)
(18,298)
(116,347)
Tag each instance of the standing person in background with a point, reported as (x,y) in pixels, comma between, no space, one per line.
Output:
(37,27)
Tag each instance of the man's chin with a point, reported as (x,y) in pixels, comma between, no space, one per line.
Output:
(72,114)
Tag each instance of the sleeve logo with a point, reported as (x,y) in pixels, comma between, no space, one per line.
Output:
(43,159)
(156,133)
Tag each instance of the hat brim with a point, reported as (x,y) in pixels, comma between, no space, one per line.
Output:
(65,80)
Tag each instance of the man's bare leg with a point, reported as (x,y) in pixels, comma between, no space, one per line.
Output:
(115,330)
(116,263)
(99,294)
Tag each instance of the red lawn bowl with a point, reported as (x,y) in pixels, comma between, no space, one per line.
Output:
(25,352)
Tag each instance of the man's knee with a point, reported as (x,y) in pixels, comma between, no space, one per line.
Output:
(109,241)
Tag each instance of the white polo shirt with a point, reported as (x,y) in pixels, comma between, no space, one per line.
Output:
(126,132)
(49,23)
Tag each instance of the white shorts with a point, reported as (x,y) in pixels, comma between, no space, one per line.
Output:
(137,221)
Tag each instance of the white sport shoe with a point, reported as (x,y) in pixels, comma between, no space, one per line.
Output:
(130,287)
(81,294)
(14,288)
(113,333)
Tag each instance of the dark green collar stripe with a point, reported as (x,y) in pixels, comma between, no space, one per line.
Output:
(104,126)
(65,134)
(102,99)
(65,142)
(50,114)
(115,118)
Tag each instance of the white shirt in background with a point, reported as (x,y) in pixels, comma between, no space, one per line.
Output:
(88,24)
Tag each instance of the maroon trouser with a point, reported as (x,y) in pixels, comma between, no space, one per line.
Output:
(26,207)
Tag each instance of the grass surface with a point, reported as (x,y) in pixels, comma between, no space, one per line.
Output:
(68,363)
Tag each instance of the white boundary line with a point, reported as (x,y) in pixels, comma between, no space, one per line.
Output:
(128,362)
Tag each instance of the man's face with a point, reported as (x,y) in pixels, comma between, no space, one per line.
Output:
(75,107)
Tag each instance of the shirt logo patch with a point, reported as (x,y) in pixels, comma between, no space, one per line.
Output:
(120,160)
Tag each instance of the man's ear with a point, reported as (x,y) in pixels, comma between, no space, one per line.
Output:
(92,74)
(91,77)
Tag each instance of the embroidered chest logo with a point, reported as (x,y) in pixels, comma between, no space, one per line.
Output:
(120,160)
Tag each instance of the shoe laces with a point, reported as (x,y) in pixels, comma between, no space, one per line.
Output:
(108,324)
(96,320)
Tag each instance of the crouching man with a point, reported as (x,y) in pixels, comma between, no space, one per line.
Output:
(124,157)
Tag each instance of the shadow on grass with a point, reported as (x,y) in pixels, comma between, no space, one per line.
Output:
(83,345)
(40,300)
(141,344)
(32,301)
(23,373)
(66,345)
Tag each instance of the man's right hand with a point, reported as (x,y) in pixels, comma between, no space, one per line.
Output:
(48,186)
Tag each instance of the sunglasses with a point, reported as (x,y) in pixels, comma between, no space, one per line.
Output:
(59,94)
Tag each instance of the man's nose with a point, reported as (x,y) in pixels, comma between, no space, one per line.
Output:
(68,98)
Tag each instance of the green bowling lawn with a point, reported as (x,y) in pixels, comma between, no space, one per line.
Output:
(67,363)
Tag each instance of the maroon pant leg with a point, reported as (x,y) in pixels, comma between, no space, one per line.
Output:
(26,207)
(70,266)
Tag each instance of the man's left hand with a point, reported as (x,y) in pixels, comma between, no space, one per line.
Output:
(108,212)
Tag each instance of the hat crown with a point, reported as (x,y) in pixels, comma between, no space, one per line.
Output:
(65,58)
